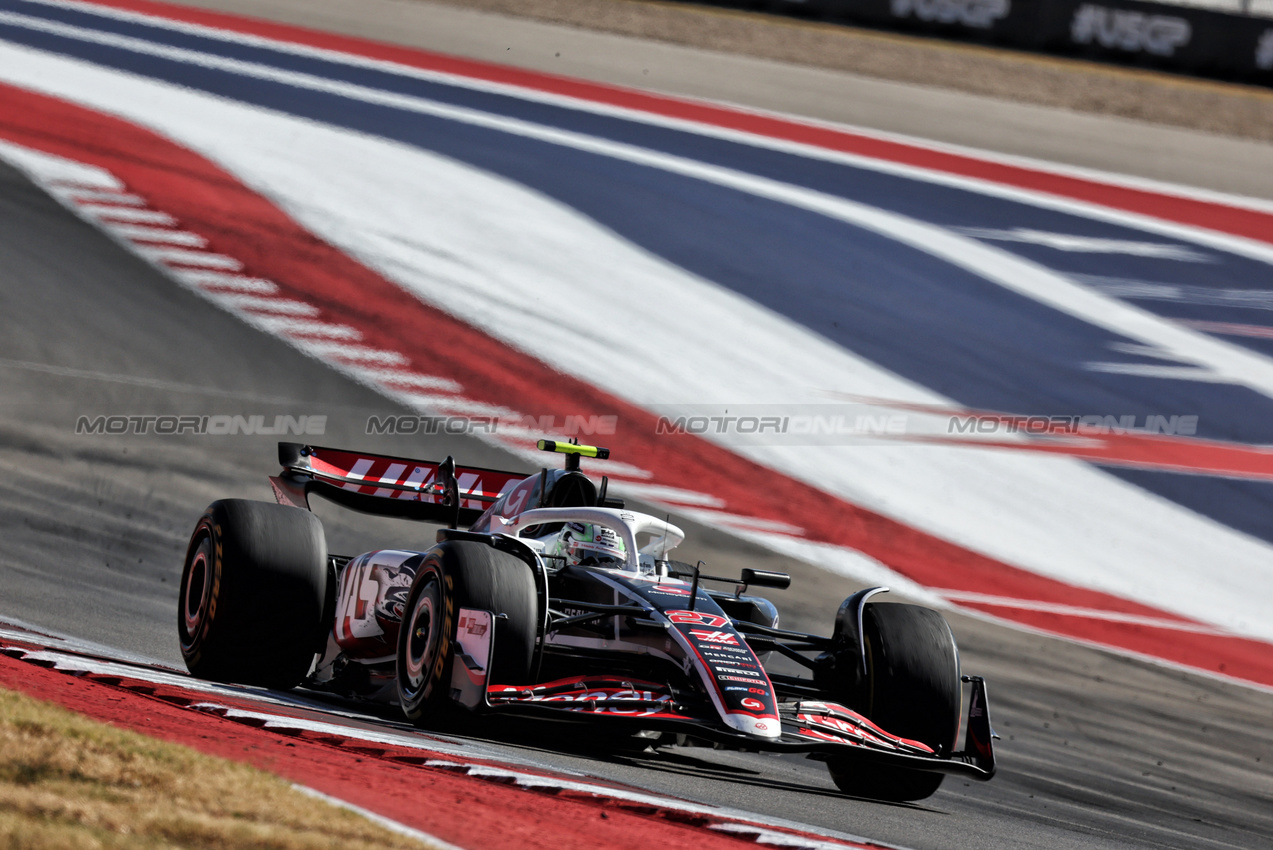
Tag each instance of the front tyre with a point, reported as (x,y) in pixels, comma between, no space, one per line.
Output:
(913,691)
(459,574)
(252,593)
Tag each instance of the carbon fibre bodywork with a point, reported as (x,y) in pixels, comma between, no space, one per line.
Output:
(642,647)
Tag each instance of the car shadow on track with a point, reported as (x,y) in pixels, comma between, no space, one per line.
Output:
(591,744)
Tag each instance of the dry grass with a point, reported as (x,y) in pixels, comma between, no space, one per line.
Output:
(67,782)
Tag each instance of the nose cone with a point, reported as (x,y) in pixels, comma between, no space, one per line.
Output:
(761,727)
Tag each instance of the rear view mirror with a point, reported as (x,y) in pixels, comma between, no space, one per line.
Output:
(766,578)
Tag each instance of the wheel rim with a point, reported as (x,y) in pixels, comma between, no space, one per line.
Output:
(421,638)
(196,592)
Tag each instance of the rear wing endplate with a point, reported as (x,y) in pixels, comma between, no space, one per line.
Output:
(425,490)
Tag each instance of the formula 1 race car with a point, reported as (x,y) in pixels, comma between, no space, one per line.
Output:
(559,602)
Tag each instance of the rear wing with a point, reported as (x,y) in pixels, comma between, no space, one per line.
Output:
(425,490)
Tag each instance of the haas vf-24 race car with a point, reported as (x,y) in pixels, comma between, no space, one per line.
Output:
(559,602)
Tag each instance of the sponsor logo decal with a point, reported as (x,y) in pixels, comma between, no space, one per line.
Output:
(734,654)
(979,14)
(518,498)
(820,736)
(473,626)
(737,672)
(753,704)
(715,637)
(698,618)
(1264,51)
(600,700)
(1134,32)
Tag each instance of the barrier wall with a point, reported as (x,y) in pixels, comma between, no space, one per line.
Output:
(1171,37)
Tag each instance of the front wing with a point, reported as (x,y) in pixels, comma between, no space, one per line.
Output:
(822,729)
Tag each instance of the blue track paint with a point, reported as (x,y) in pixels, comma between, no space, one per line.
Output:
(911,313)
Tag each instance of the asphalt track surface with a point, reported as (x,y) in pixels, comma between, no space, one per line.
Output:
(1098,750)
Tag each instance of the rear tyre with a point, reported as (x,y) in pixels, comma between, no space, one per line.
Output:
(459,574)
(913,691)
(252,594)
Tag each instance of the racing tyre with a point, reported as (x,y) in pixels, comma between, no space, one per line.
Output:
(913,691)
(463,574)
(252,594)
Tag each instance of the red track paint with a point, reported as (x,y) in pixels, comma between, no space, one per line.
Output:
(406,784)
(1240,658)
(239,223)
(1209,215)
(461,810)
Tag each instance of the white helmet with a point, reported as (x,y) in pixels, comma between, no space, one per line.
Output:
(588,545)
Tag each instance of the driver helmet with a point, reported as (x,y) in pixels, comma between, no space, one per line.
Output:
(588,545)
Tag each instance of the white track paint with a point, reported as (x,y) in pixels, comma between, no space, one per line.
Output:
(1088,244)
(412,215)
(127,214)
(80,195)
(256,303)
(186,257)
(1236,363)
(218,281)
(774,838)
(139,233)
(1074,611)
(55,169)
(380,820)
(530,93)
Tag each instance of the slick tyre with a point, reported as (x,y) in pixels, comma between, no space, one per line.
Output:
(459,574)
(913,691)
(252,594)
